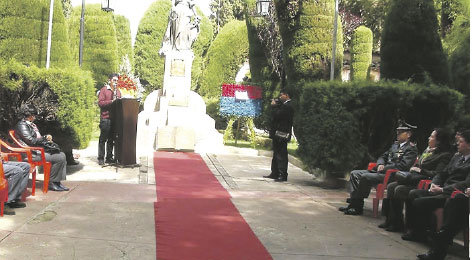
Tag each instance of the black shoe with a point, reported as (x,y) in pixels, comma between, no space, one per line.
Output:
(384,225)
(101,162)
(72,162)
(8,211)
(53,186)
(432,255)
(393,228)
(270,176)
(64,188)
(343,209)
(411,236)
(110,161)
(16,204)
(281,179)
(353,211)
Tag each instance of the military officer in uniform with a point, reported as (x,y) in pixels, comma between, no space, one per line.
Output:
(400,156)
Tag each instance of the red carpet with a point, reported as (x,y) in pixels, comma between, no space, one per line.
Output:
(195,218)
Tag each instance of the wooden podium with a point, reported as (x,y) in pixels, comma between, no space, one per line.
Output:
(125,118)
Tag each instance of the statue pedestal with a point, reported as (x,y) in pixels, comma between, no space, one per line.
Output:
(175,118)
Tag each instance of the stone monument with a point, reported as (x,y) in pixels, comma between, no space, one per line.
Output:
(175,117)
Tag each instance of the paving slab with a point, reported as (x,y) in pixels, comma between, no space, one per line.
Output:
(40,246)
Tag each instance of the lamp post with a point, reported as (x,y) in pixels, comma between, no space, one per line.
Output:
(335,34)
(106,6)
(48,53)
(262,7)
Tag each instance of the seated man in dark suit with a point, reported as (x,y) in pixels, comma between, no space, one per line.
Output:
(400,156)
(17,175)
(454,177)
(456,218)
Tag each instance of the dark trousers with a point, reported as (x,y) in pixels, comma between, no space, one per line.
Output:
(279,158)
(397,194)
(423,205)
(361,181)
(106,137)
(456,215)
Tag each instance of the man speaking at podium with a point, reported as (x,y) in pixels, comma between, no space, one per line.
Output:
(106,96)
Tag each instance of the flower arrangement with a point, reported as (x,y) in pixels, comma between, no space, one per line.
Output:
(127,86)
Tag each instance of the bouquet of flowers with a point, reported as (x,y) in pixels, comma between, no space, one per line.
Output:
(127,86)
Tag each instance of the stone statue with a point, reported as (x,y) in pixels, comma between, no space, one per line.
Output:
(183,27)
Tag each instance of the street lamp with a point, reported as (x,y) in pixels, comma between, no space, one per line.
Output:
(106,6)
(48,52)
(262,7)
(335,34)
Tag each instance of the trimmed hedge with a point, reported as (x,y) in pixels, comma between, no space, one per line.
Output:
(200,47)
(100,50)
(123,36)
(65,99)
(149,65)
(411,48)
(24,26)
(342,126)
(307,33)
(361,53)
(225,56)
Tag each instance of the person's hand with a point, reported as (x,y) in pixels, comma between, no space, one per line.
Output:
(380,168)
(273,102)
(467,192)
(49,138)
(415,169)
(435,188)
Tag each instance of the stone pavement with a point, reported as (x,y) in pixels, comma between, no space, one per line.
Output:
(109,214)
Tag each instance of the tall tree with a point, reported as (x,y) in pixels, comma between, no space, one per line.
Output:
(24,33)
(411,48)
(224,11)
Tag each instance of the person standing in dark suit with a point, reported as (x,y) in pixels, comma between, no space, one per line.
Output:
(106,96)
(454,177)
(280,133)
(401,155)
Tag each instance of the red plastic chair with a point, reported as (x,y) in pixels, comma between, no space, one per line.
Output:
(380,189)
(45,164)
(3,189)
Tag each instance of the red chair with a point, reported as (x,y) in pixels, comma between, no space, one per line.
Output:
(380,189)
(3,189)
(45,164)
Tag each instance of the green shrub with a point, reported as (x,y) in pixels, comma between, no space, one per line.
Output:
(342,126)
(100,49)
(24,33)
(262,72)
(411,48)
(65,99)
(200,47)
(149,65)
(123,36)
(361,53)
(307,33)
(225,56)
(457,45)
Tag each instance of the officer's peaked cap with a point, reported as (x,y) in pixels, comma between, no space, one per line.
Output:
(404,126)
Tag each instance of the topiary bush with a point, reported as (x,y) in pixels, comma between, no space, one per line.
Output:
(307,34)
(200,47)
(225,56)
(262,70)
(123,37)
(24,33)
(361,53)
(342,126)
(100,49)
(410,47)
(149,65)
(65,99)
